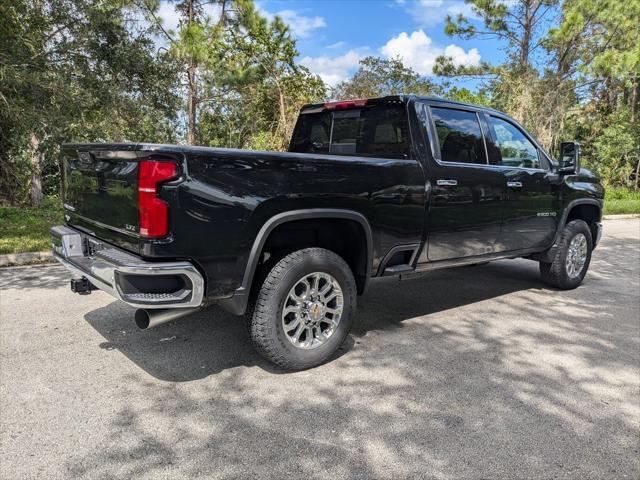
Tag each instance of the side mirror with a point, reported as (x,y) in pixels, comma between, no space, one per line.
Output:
(569,163)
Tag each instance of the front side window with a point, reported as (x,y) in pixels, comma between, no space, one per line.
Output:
(378,130)
(459,136)
(511,148)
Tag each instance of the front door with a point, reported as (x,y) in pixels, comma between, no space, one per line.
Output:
(531,201)
(464,214)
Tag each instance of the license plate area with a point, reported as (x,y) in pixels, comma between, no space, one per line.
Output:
(90,247)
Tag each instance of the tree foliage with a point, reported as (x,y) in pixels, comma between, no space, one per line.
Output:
(240,76)
(75,71)
(110,70)
(572,70)
(378,77)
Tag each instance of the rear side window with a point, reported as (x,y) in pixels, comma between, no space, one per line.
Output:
(459,136)
(372,131)
(512,148)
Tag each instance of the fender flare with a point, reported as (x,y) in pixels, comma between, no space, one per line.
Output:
(549,254)
(237,304)
(575,203)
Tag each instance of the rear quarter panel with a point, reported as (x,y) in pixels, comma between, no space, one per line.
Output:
(228,195)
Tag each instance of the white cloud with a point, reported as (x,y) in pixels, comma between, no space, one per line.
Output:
(300,25)
(432,12)
(418,52)
(339,44)
(333,70)
(460,57)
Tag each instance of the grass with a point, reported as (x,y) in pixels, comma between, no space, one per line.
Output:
(26,229)
(621,200)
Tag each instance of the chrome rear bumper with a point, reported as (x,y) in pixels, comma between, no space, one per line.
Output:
(126,276)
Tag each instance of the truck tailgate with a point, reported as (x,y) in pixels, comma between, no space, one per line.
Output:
(100,191)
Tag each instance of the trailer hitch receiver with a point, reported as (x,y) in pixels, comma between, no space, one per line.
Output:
(82,286)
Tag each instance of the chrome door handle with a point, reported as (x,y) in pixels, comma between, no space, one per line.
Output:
(442,183)
(514,184)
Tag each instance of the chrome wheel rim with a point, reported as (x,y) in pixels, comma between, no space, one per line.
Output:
(576,255)
(312,310)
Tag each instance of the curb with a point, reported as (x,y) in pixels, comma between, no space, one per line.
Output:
(29,258)
(621,216)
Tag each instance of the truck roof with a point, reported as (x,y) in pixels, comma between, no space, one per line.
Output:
(395,98)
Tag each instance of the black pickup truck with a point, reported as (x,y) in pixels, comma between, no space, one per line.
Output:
(369,188)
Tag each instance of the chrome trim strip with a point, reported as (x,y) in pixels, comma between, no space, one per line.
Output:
(489,166)
(444,182)
(108,227)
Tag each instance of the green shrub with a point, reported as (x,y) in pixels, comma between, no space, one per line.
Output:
(622,194)
(26,229)
(621,201)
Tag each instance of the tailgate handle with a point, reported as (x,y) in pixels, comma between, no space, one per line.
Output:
(442,183)
(514,184)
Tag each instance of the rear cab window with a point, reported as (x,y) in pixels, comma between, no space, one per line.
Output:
(459,136)
(370,130)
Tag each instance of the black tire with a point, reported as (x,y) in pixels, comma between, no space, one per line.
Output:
(264,316)
(555,273)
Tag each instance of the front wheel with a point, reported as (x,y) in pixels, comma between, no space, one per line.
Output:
(572,258)
(304,309)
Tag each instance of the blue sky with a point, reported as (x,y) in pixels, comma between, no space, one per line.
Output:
(333,35)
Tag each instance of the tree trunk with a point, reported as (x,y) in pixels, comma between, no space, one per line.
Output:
(283,113)
(192,105)
(36,177)
(192,92)
(634,100)
(527,32)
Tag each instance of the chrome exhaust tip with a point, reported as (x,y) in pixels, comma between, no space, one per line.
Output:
(146,319)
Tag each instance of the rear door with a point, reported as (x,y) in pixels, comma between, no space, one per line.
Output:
(464,214)
(531,202)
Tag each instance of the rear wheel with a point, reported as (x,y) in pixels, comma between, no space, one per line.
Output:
(572,258)
(304,309)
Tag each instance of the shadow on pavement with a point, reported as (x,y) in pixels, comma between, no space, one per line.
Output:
(549,394)
(466,373)
(34,277)
(213,340)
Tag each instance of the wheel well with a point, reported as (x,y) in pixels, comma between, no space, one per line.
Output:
(345,237)
(589,213)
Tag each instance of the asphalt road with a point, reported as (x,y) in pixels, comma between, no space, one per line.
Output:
(475,372)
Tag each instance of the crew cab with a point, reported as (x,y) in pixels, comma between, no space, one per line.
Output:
(368,188)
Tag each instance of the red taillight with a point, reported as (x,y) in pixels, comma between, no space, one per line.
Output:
(346,104)
(153,212)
